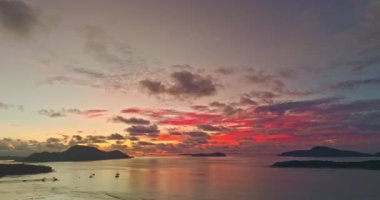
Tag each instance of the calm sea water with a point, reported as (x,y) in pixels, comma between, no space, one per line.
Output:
(187,178)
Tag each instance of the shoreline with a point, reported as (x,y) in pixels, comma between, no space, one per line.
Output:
(23,169)
(367,164)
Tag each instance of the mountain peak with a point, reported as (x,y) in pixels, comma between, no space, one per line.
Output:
(322,148)
(81,148)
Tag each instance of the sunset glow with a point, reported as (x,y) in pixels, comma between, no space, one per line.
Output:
(249,78)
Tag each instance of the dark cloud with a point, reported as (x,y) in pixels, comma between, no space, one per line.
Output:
(145,143)
(368,56)
(194,141)
(132,120)
(154,87)
(52,113)
(228,109)
(354,84)
(76,139)
(363,61)
(133,138)
(4,106)
(53,140)
(207,127)
(184,84)
(363,56)
(5,144)
(63,112)
(295,105)
(200,108)
(175,133)
(246,101)
(55,143)
(275,82)
(264,96)
(353,118)
(355,106)
(217,104)
(119,142)
(198,134)
(187,83)
(11,106)
(366,122)
(95,139)
(225,70)
(9,146)
(115,136)
(263,78)
(17,17)
(288,73)
(139,130)
(89,139)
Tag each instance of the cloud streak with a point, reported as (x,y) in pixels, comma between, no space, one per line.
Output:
(91,113)
(355,84)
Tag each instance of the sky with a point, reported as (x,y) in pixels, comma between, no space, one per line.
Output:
(174,76)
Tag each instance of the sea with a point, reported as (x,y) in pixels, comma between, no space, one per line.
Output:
(192,178)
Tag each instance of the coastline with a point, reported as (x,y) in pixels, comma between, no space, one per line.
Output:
(23,169)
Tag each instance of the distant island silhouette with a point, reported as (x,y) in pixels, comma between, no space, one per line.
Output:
(322,151)
(23,169)
(369,164)
(215,154)
(10,157)
(75,153)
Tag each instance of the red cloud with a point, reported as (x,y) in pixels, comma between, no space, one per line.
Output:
(295,123)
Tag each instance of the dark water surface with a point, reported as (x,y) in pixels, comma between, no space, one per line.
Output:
(187,178)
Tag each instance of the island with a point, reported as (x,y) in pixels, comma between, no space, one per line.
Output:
(322,151)
(23,169)
(75,153)
(369,164)
(215,154)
